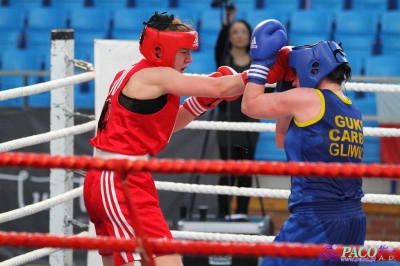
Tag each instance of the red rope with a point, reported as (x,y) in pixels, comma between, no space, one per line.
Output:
(345,170)
(186,247)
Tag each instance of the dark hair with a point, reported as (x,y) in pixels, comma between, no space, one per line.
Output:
(340,74)
(248,28)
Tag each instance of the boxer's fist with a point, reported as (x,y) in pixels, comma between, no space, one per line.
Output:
(198,105)
(226,71)
(280,71)
(267,39)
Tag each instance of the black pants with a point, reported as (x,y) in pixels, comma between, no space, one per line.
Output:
(237,153)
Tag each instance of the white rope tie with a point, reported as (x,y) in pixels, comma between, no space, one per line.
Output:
(40,206)
(46,86)
(46,137)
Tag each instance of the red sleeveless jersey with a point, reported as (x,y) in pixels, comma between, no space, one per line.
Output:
(126,132)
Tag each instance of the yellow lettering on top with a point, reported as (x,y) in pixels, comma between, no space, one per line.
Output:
(354,137)
(333,149)
(361,137)
(346,136)
(334,134)
(358,124)
(349,122)
(339,121)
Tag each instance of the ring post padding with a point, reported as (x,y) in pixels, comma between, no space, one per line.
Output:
(62,101)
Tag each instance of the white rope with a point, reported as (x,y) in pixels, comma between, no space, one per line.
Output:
(46,86)
(202,236)
(46,137)
(40,206)
(181,187)
(232,126)
(270,127)
(258,192)
(372,87)
(206,125)
(351,86)
(36,254)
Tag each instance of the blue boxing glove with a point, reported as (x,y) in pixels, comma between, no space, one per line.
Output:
(267,39)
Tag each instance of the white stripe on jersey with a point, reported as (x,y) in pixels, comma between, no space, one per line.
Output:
(107,184)
(118,82)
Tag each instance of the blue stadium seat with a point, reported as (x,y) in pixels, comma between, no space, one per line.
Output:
(84,92)
(266,149)
(360,46)
(110,4)
(46,19)
(10,39)
(68,5)
(17,60)
(390,32)
(258,15)
(382,65)
(89,24)
(209,27)
(309,26)
(203,62)
(41,99)
(90,19)
(12,18)
(157,5)
(195,5)
(356,62)
(356,22)
(357,31)
(128,23)
(390,44)
(40,23)
(376,5)
(286,5)
(327,5)
(26,5)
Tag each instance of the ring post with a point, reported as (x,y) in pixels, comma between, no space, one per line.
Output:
(62,104)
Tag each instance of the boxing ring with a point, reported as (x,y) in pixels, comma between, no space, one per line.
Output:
(60,241)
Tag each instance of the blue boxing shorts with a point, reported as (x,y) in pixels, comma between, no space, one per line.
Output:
(328,223)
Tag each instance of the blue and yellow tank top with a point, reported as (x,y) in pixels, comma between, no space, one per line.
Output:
(336,135)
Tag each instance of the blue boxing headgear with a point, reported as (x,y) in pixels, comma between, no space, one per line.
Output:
(314,62)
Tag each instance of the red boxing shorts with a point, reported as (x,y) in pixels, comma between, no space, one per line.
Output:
(109,212)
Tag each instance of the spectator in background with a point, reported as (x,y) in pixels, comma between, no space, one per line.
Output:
(232,49)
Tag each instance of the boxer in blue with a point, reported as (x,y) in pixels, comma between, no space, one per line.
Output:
(316,122)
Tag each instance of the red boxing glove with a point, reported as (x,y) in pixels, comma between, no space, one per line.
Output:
(280,70)
(198,105)
(226,71)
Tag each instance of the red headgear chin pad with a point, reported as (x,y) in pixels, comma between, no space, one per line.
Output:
(160,47)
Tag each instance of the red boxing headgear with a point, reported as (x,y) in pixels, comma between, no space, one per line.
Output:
(159,47)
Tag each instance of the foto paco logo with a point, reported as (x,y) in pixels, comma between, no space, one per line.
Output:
(357,253)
